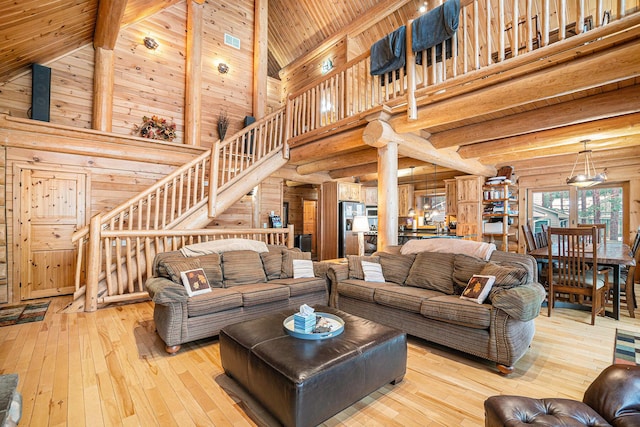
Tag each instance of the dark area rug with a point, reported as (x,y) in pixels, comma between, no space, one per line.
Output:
(627,349)
(23,313)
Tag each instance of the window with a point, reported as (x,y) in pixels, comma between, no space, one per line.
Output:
(602,205)
(566,207)
(550,208)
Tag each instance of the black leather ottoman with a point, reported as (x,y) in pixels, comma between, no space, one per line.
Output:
(304,382)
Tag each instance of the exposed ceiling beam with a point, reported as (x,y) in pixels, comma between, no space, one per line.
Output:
(378,133)
(601,68)
(108,22)
(361,157)
(289,173)
(403,162)
(348,141)
(608,128)
(543,154)
(554,164)
(604,105)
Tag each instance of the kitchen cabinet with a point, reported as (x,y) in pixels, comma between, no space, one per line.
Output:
(370,196)
(451,194)
(349,192)
(405,199)
(469,206)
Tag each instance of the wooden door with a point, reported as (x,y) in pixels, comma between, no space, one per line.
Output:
(52,206)
(310,222)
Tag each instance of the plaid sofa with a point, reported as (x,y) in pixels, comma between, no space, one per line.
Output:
(421,296)
(245,285)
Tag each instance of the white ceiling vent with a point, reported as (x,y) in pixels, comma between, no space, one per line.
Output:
(229,40)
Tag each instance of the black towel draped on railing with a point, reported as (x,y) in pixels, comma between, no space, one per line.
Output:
(431,29)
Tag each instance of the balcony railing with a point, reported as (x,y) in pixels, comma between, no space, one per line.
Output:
(489,32)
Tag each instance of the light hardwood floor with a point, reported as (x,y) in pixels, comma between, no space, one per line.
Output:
(109,368)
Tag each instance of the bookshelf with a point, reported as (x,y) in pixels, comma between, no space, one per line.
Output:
(500,215)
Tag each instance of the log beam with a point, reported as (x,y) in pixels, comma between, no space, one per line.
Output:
(343,142)
(108,21)
(193,84)
(290,174)
(372,168)
(103,78)
(378,133)
(608,128)
(260,57)
(601,106)
(361,157)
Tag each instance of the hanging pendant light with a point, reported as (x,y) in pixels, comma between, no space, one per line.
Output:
(412,211)
(589,177)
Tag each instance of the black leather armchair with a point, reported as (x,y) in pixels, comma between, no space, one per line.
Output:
(612,399)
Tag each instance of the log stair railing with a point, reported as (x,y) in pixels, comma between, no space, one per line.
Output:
(115,251)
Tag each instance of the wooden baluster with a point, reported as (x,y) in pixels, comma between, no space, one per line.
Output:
(465,43)
(545,23)
(622,9)
(476,35)
(488,32)
(515,27)
(173,198)
(529,25)
(562,18)
(599,13)
(580,17)
(501,18)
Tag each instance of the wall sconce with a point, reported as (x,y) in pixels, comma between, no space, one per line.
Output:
(150,43)
(327,66)
(223,68)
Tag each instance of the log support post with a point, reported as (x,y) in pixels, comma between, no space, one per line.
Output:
(193,85)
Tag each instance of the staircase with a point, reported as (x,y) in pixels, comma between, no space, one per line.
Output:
(116,250)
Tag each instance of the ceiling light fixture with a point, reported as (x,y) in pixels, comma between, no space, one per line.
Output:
(423,8)
(589,177)
(150,43)
(412,211)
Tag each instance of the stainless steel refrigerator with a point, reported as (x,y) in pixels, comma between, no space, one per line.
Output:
(346,238)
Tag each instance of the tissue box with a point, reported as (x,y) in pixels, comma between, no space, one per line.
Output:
(304,323)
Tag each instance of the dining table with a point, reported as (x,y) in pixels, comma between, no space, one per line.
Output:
(613,254)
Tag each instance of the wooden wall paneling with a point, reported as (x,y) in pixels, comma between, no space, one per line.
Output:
(231,92)
(274,95)
(240,215)
(151,82)
(269,199)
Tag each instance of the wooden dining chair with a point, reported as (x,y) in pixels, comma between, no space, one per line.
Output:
(629,287)
(569,271)
(602,231)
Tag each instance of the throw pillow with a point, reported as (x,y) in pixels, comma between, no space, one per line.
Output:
(175,267)
(506,276)
(478,288)
(195,282)
(432,270)
(287,262)
(372,272)
(464,267)
(302,268)
(212,269)
(395,267)
(355,265)
(242,268)
(272,262)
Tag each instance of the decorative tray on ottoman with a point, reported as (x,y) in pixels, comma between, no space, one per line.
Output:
(336,323)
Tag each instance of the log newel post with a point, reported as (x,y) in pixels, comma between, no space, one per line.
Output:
(93,264)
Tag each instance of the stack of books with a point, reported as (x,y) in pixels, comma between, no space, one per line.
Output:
(304,323)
